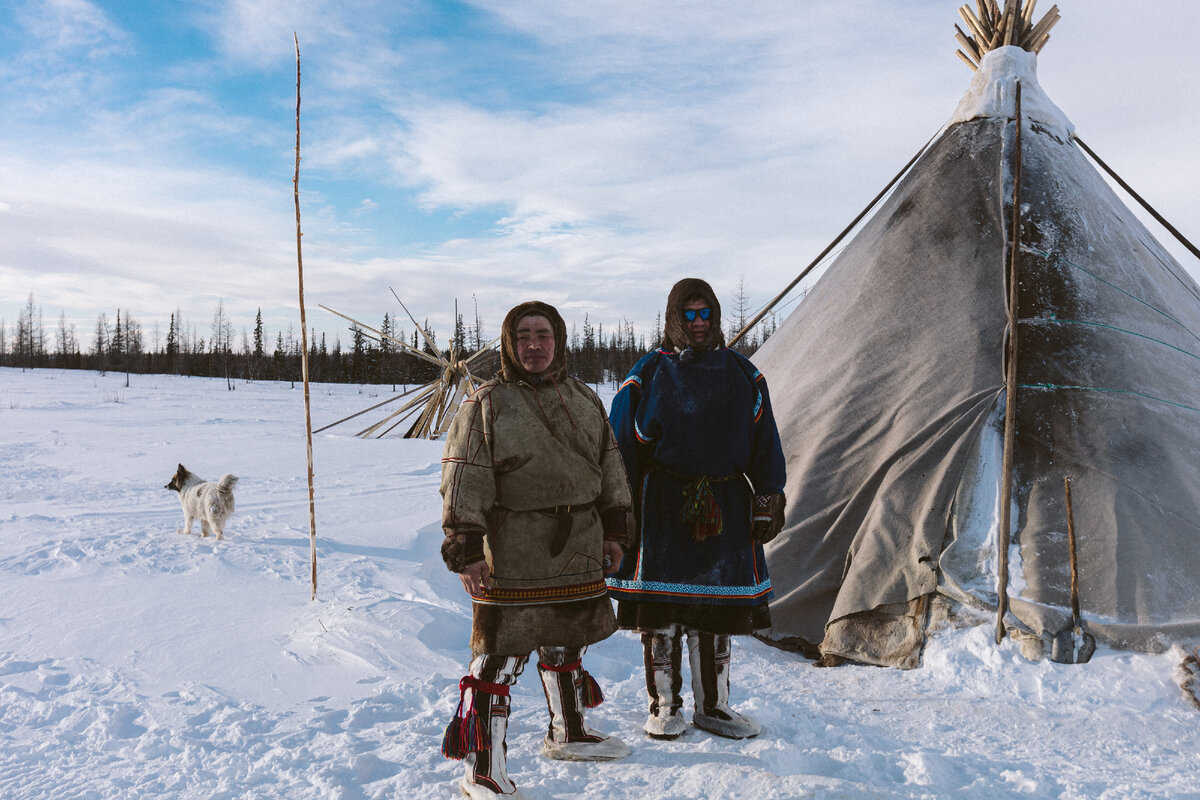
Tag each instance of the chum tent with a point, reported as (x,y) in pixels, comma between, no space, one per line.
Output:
(890,387)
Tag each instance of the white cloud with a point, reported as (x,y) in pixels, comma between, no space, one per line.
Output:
(674,138)
(70,28)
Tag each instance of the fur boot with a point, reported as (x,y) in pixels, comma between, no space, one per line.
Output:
(709,656)
(487,767)
(569,690)
(662,654)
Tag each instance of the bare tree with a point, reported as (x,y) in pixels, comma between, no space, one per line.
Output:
(39,337)
(100,342)
(741,312)
(23,348)
(135,345)
(221,344)
(66,343)
(477,331)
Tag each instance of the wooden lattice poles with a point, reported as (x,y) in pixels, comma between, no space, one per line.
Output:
(434,403)
(994,27)
(312,510)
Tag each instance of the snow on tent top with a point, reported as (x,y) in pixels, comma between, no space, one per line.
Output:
(890,395)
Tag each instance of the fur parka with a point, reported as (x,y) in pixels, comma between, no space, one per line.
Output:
(533,482)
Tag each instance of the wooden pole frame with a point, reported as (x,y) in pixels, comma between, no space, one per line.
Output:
(312,510)
(994,27)
(440,398)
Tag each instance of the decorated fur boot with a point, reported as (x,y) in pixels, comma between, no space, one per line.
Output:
(709,656)
(569,690)
(662,653)
(477,732)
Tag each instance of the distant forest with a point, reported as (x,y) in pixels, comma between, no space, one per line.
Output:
(120,344)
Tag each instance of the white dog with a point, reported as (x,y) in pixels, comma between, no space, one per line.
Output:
(211,502)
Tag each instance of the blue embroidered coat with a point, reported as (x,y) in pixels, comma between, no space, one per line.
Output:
(675,421)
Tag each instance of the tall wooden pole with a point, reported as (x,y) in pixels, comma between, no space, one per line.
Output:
(1010,389)
(312,508)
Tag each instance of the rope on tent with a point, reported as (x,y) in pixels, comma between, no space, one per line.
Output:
(1115,329)
(1149,208)
(1068,387)
(1010,382)
(1185,282)
(1058,257)
(767,309)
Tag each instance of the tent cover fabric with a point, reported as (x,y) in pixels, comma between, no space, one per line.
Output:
(890,399)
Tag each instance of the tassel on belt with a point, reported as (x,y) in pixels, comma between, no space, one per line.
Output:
(700,510)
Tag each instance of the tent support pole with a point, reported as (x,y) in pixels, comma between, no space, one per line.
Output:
(1010,388)
(312,512)
(758,317)
(1162,221)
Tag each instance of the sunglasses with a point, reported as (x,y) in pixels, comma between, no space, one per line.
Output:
(690,314)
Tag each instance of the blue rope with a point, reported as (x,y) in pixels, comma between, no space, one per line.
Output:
(1057,257)
(1109,391)
(1123,330)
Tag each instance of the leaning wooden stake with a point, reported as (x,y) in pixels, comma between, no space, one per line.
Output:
(1082,643)
(312,507)
(1149,208)
(1010,389)
(821,257)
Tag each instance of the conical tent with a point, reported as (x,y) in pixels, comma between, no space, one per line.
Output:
(890,393)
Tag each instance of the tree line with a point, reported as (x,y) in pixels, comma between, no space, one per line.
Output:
(371,356)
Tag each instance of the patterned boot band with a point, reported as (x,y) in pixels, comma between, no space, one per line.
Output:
(589,689)
(471,682)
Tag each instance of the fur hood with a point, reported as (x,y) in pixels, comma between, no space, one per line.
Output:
(675,336)
(511,370)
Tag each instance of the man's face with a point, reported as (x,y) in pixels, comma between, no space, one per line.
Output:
(699,326)
(535,344)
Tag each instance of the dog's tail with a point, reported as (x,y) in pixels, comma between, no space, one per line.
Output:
(227,483)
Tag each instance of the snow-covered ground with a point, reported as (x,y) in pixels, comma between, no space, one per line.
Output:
(136,662)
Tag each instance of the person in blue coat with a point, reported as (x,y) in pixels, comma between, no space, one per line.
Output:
(694,426)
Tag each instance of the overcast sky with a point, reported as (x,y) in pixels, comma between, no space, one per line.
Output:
(587,153)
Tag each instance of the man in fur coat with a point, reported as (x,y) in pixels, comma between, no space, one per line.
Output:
(535,511)
(694,425)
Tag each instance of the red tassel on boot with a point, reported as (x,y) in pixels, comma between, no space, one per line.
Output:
(592,696)
(589,689)
(466,732)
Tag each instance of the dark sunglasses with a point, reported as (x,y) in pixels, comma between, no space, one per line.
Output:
(689,314)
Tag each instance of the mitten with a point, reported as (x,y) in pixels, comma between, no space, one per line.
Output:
(767,518)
